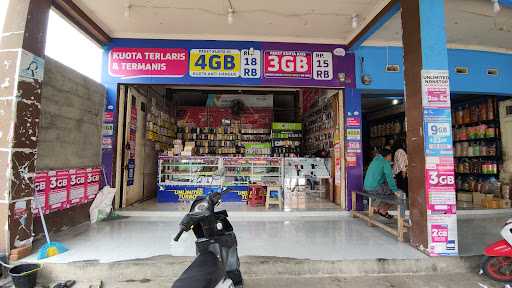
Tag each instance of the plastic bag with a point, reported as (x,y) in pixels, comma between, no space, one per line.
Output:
(102,204)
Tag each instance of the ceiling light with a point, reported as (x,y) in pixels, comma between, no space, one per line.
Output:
(231,13)
(395,102)
(355,21)
(496,6)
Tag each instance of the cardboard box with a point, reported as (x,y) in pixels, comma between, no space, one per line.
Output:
(477,199)
(464,204)
(502,203)
(465,197)
(486,202)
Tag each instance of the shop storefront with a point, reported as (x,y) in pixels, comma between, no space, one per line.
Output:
(481,140)
(480,123)
(185,118)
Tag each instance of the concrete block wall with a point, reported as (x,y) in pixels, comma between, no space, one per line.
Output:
(70,131)
(71,119)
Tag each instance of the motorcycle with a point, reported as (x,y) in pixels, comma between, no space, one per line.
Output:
(217,264)
(497,261)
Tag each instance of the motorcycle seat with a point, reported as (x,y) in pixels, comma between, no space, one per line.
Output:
(205,272)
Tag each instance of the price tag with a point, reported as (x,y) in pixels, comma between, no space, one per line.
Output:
(214,63)
(322,66)
(251,63)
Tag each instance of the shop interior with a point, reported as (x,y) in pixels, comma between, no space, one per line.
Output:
(271,148)
(482,144)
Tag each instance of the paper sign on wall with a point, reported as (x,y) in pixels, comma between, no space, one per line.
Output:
(78,185)
(442,234)
(435,88)
(60,189)
(58,193)
(93,182)
(42,187)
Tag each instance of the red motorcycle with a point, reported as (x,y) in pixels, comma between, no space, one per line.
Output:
(497,262)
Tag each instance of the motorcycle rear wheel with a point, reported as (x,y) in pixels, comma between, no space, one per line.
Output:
(498,268)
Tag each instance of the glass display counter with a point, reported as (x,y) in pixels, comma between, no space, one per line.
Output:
(184,178)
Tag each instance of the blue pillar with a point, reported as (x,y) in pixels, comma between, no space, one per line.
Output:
(353,145)
(428,118)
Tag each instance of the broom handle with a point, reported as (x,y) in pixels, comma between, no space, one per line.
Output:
(44,225)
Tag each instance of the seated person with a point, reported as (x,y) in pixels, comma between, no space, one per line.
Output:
(379,180)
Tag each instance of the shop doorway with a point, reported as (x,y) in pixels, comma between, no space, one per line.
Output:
(174,143)
(482,144)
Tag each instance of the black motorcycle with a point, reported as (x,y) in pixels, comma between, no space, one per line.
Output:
(217,264)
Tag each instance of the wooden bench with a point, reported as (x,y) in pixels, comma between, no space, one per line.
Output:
(401,203)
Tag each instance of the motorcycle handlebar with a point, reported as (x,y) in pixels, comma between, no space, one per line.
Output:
(177,238)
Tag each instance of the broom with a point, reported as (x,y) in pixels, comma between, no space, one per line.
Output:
(50,248)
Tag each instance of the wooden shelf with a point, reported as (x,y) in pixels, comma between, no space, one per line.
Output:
(495,121)
(491,139)
(483,156)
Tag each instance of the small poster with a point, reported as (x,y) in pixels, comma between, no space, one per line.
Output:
(353,121)
(337,164)
(438,132)
(93,182)
(42,187)
(59,187)
(108,129)
(442,234)
(106,142)
(435,88)
(353,134)
(351,159)
(354,147)
(131,172)
(31,66)
(108,116)
(77,186)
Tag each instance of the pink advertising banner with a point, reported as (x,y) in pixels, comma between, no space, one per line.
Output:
(59,187)
(440,184)
(93,182)
(147,62)
(78,186)
(42,187)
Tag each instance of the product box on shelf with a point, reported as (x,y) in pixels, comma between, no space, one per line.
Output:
(465,197)
(477,199)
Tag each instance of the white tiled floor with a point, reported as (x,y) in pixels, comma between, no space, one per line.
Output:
(319,238)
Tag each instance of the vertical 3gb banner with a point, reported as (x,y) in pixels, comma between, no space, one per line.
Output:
(439,164)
